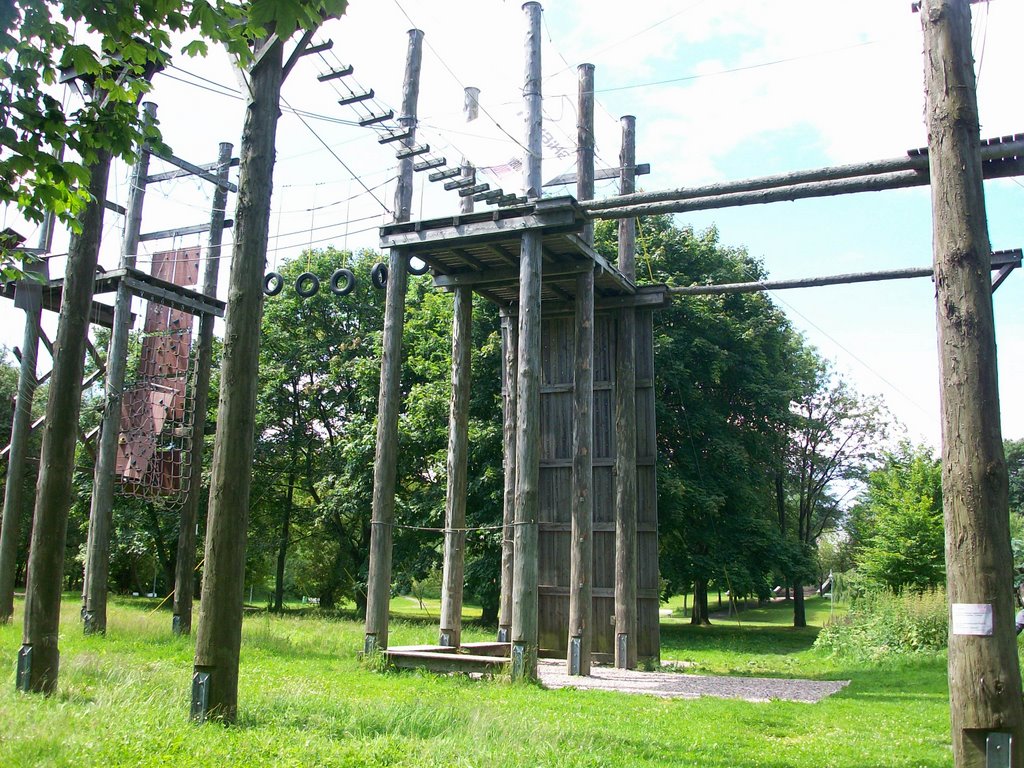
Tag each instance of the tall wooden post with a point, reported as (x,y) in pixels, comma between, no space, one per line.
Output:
(378,587)
(625,426)
(29,298)
(984,674)
(524,587)
(184,571)
(510,355)
(471,108)
(97,551)
(582,547)
(219,633)
(458,461)
(39,657)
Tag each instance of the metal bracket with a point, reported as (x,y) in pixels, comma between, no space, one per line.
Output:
(575,646)
(200,696)
(21,682)
(518,661)
(998,750)
(621,647)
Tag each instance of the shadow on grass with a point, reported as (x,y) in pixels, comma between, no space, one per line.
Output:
(761,640)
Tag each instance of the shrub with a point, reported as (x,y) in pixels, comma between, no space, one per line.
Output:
(881,624)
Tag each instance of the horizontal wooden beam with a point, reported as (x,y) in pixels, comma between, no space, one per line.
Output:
(503,275)
(1000,260)
(195,229)
(993,149)
(163,292)
(878,183)
(603,174)
(168,175)
(197,170)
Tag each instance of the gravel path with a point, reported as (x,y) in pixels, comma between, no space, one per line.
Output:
(674,685)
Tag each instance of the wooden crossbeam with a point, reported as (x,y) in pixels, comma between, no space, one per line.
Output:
(335,74)
(427,165)
(193,230)
(355,98)
(197,170)
(448,173)
(474,190)
(402,154)
(375,119)
(396,136)
(459,183)
(489,197)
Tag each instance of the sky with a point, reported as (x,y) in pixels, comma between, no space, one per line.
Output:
(720,90)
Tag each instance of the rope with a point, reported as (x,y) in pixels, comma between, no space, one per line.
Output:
(171,593)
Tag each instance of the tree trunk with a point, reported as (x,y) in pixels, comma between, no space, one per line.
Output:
(799,612)
(700,615)
(219,633)
(39,660)
(984,671)
(282,548)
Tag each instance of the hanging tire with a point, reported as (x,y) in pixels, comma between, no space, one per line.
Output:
(273,283)
(342,282)
(421,270)
(307,284)
(379,276)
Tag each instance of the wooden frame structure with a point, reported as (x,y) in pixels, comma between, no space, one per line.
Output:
(580,332)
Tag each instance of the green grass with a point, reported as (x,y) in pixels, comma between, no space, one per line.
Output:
(305,699)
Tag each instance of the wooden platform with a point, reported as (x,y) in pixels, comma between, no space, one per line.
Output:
(481,250)
(471,657)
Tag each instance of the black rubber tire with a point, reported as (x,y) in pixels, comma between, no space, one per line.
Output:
(273,283)
(343,281)
(418,270)
(379,276)
(307,284)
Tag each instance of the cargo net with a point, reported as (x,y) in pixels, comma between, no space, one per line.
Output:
(154,451)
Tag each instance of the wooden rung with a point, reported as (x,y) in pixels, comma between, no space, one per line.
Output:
(474,190)
(377,119)
(489,197)
(447,173)
(396,136)
(426,165)
(343,72)
(511,200)
(412,152)
(459,184)
(356,97)
(317,48)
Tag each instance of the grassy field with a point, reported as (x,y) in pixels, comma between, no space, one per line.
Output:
(306,700)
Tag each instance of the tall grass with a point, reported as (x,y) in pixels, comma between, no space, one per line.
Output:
(881,624)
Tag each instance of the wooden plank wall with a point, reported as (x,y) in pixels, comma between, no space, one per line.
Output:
(556,487)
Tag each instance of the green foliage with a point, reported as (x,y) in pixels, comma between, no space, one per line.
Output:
(114,47)
(306,700)
(899,522)
(1014,450)
(881,624)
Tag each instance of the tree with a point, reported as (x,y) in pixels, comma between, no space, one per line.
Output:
(900,522)
(1014,450)
(725,378)
(834,442)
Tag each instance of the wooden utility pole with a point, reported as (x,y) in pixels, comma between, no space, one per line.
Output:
(984,672)
(97,552)
(39,657)
(184,575)
(219,634)
(581,578)
(625,425)
(29,298)
(458,465)
(524,594)
(471,108)
(378,586)
(510,365)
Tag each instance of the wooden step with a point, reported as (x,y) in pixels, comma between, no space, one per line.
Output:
(488,648)
(445,661)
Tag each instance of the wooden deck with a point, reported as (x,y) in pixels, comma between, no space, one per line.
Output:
(471,657)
